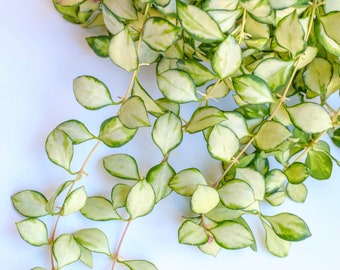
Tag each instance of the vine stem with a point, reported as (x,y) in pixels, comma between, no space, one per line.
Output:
(116,254)
(77,178)
(281,101)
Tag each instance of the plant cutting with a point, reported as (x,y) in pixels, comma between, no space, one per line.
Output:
(275,62)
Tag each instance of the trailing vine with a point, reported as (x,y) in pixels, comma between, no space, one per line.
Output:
(277,62)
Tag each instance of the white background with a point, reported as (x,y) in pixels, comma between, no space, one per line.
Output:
(40,55)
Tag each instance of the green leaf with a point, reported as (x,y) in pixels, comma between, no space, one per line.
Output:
(30,203)
(328,22)
(74,201)
(210,248)
(307,56)
(205,117)
(119,194)
(218,90)
(335,136)
(133,113)
(270,135)
(199,73)
(69,2)
(186,181)
(297,172)
(99,44)
(51,202)
(290,34)
(191,233)
(114,134)
(167,132)
(276,198)
(297,193)
(252,89)
(317,75)
(91,93)
(275,72)
(225,18)
(86,257)
(149,103)
(93,239)
(159,177)
(259,8)
(198,23)
(99,208)
(319,164)
(159,33)
(59,148)
(227,58)
(310,117)
(122,166)
(204,199)
(123,42)
(76,130)
(33,231)
(139,265)
(140,200)
(289,226)
(177,86)
(112,23)
(222,143)
(254,179)
(123,10)
(329,44)
(236,194)
(276,246)
(221,213)
(232,235)
(274,180)
(65,250)
(236,122)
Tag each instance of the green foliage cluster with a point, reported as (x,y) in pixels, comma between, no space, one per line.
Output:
(278,61)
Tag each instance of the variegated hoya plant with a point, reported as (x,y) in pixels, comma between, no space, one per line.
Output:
(276,61)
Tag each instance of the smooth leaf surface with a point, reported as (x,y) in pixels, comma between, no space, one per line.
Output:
(124,10)
(30,203)
(227,58)
(167,132)
(139,265)
(222,143)
(297,193)
(254,179)
(140,200)
(276,246)
(236,194)
(59,148)
(93,239)
(114,134)
(65,250)
(289,226)
(33,231)
(199,73)
(159,177)
(198,23)
(133,113)
(123,42)
(91,93)
(204,199)
(297,172)
(310,117)
(205,117)
(290,34)
(159,33)
(74,201)
(252,89)
(122,166)
(186,181)
(319,164)
(177,86)
(76,130)
(236,123)
(232,235)
(270,135)
(119,194)
(99,208)
(274,180)
(191,233)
